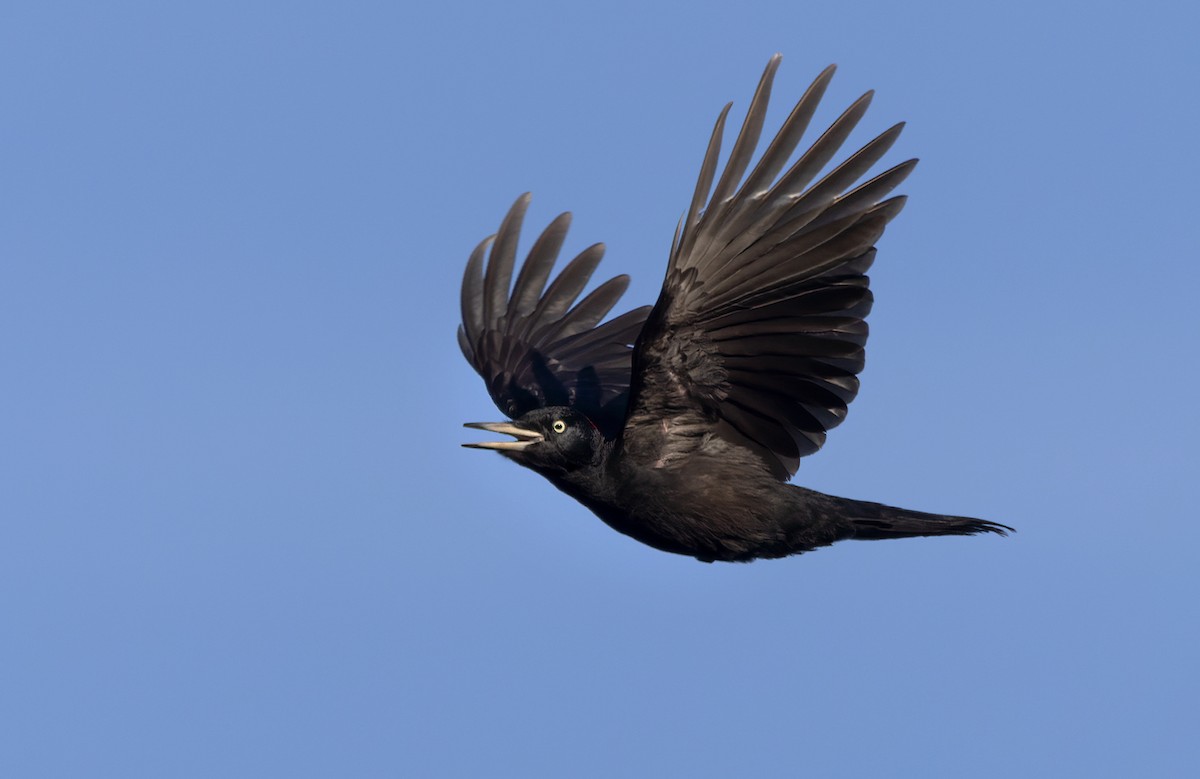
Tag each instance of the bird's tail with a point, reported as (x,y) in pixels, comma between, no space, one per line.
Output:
(875,521)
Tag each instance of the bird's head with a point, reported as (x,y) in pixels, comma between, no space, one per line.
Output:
(553,440)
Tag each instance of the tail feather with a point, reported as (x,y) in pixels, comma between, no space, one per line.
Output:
(875,521)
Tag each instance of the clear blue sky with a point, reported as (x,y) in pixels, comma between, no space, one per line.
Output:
(238,536)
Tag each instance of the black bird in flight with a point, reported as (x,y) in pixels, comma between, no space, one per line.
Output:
(680,425)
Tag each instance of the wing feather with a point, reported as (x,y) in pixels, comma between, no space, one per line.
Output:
(758,334)
(535,346)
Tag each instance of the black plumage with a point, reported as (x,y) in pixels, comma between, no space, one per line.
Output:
(679,425)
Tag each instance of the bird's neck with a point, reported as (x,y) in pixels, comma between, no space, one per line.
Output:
(591,484)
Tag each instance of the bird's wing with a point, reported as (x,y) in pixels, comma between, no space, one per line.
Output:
(758,333)
(532,346)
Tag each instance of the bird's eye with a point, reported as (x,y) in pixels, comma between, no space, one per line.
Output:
(559,426)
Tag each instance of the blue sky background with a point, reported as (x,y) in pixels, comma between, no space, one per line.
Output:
(238,536)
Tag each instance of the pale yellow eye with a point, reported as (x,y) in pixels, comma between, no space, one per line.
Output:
(559,426)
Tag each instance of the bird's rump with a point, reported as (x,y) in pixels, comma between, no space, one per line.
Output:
(760,325)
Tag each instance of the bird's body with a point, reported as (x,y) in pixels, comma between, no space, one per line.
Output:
(679,425)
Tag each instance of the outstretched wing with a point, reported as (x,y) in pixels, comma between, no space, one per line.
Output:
(533,347)
(758,333)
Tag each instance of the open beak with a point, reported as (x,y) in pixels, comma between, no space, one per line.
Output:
(524,436)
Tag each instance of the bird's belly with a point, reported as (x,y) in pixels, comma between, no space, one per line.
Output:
(702,511)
